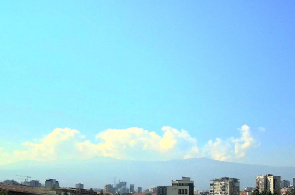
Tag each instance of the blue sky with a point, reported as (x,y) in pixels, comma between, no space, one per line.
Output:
(202,68)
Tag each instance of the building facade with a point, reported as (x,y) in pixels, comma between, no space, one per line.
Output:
(34,183)
(109,188)
(269,182)
(131,188)
(51,183)
(161,190)
(79,186)
(179,187)
(185,181)
(139,190)
(178,190)
(285,183)
(225,186)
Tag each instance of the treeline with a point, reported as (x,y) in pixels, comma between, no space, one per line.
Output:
(3,192)
(268,192)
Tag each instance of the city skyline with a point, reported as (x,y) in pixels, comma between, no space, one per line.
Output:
(150,81)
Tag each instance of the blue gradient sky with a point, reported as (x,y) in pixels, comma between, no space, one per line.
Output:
(206,67)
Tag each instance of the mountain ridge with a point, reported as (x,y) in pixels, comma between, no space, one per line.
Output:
(97,172)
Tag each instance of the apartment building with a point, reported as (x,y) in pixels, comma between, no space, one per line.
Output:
(225,186)
(269,182)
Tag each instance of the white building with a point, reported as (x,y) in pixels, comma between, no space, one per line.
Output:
(177,190)
(269,182)
(179,187)
(225,186)
(185,181)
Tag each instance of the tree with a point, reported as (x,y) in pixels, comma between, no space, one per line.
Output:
(101,192)
(266,192)
(3,192)
(256,192)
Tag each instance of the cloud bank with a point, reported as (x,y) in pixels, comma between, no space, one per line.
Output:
(232,148)
(132,144)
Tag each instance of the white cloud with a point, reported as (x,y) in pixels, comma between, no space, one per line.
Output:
(131,143)
(218,150)
(59,144)
(139,144)
(230,149)
(243,144)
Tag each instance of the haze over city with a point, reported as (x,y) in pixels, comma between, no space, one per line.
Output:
(147,81)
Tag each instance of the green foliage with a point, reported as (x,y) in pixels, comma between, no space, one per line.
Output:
(148,194)
(256,192)
(3,192)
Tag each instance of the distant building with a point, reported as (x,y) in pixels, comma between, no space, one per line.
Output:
(247,191)
(131,190)
(109,188)
(186,181)
(34,183)
(268,182)
(177,190)
(184,186)
(121,184)
(51,183)
(225,186)
(285,183)
(287,190)
(139,190)
(153,190)
(121,187)
(79,186)
(161,190)
(293,181)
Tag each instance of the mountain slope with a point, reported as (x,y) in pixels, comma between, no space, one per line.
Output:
(100,171)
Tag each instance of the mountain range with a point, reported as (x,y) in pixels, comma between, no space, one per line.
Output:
(97,172)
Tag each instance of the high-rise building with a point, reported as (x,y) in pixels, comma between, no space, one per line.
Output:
(34,183)
(79,186)
(153,190)
(285,183)
(185,181)
(109,188)
(131,190)
(179,187)
(225,186)
(293,181)
(51,183)
(139,190)
(161,190)
(269,182)
(178,190)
